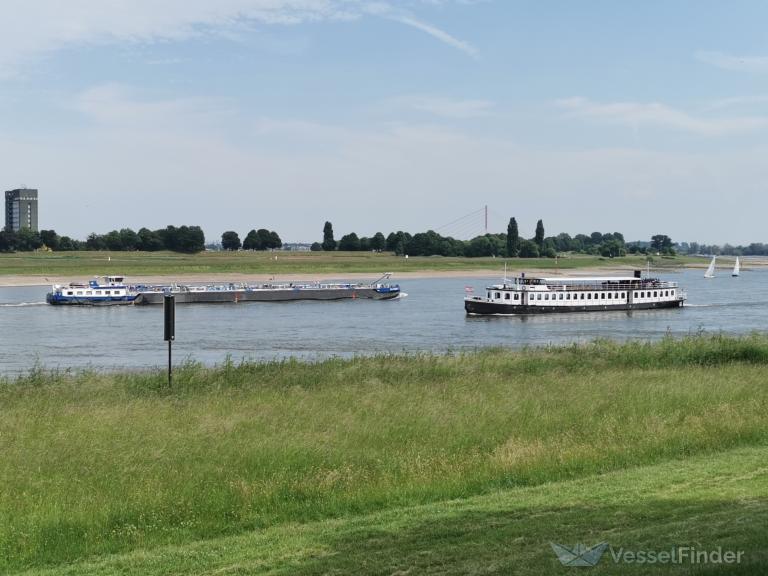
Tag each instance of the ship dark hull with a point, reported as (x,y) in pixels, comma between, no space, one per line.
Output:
(267,295)
(482,307)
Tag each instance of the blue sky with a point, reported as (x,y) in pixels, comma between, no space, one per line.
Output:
(645,118)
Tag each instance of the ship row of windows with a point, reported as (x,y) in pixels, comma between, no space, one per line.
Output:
(588,295)
(90,292)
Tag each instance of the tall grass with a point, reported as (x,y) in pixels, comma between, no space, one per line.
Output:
(94,463)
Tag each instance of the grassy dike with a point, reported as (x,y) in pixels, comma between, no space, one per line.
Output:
(75,264)
(444,463)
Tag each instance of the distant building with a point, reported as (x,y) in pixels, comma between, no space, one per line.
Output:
(21,209)
(296,247)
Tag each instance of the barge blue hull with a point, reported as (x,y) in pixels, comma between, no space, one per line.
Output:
(83,301)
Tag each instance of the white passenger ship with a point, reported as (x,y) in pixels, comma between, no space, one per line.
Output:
(523,295)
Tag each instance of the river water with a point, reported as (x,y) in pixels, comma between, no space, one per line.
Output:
(431,318)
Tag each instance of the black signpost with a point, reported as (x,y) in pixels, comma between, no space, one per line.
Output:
(169,335)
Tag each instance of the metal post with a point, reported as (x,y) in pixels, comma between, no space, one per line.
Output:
(169,312)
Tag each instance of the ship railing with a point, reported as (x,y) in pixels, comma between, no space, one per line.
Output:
(602,286)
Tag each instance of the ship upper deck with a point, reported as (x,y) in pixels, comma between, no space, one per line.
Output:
(591,283)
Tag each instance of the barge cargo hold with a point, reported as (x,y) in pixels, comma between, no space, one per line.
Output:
(223,293)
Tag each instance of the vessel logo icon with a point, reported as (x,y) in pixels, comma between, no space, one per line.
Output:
(579,555)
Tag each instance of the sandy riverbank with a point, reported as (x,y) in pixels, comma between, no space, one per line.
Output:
(491,274)
(203,278)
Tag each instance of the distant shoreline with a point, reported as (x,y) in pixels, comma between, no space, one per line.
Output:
(18,280)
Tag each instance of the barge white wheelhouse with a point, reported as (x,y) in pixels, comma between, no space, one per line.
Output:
(111,291)
(523,295)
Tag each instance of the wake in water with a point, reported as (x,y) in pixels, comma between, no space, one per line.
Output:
(20,304)
(727,305)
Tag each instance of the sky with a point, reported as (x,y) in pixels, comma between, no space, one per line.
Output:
(639,117)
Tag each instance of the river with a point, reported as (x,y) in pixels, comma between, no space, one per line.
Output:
(431,318)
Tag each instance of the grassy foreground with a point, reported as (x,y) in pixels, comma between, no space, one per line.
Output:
(707,502)
(169,263)
(462,464)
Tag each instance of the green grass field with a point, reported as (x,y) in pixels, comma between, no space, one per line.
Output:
(463,464)
(44,264)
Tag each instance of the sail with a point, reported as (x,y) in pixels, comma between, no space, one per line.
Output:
(710,273)
(736,267)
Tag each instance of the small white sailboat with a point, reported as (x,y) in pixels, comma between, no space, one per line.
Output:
(710,273)
(736,268)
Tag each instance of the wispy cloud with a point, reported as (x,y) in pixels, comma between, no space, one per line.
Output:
(435,32)
(31,29)
(737,101)
(755,64)
(637,114)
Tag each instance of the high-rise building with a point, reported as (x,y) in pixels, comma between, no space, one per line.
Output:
(21,209)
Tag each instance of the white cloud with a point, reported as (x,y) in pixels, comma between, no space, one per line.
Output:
(756,64)
(637,114)
(31,29)
(445,107)
(141,162)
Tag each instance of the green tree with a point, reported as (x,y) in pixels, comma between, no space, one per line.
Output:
(230,240)
(95,242)
(661,243)
(529,249)
(50,239)
(28,240)
(550,248)
(149,240)
(67,244)
(189,239)
(539,238)
(129,239)
(349,243)
(378,242)
(7,240)
(113,241)
(564,242)
(252,241)
(329,244)
(265,238)
(479,246)
(613,248)
(391,242)
(274,241)
(513,239)
(316,247)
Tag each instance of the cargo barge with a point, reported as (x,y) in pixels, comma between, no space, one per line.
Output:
(231,292)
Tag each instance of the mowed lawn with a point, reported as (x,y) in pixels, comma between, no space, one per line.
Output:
(45,264)
(459,464)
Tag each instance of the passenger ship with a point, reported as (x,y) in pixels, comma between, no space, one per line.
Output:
(523,295)
(112,291)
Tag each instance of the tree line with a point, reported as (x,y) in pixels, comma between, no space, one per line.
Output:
(261,239)
(511,244)
(753,249)
(191,239)
(188,239)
